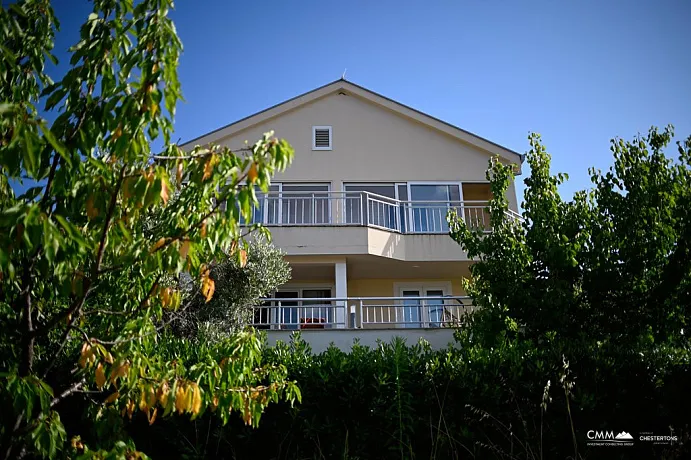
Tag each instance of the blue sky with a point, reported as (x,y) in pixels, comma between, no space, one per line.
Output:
(578,72)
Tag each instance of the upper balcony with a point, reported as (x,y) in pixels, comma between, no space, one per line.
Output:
(327,222)
(365,209)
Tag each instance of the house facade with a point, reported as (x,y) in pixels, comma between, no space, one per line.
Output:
(361,215)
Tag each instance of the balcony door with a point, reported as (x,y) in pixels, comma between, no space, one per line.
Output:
(302,314)
(429,204)
(417,311)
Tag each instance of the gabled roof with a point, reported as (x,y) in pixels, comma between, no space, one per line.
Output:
(343,85)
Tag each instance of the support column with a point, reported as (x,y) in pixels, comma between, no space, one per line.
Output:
(341,291)
(337,203)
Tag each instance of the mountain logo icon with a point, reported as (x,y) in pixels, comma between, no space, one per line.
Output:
(624,436)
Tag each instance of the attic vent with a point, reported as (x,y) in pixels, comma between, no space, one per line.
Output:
(321,138)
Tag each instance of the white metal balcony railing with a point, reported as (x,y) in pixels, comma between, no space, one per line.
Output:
(366,209)
(361,312)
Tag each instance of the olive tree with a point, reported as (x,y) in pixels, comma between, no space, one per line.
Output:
(239,288)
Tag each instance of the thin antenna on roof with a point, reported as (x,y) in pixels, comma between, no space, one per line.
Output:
(343,76)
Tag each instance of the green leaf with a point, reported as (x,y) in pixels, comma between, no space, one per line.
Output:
(54,98)
(56,144)
(7,109)
(30,153)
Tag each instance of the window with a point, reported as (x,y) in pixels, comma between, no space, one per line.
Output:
(429,205)
(321,138)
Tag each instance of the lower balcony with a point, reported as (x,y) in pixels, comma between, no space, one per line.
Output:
(341,321)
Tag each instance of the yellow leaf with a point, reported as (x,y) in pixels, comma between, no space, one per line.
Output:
(86,354)
(196,399)
(162,394)
(175,300)
(164,191)
(108,357)
(119,371)
(142,401)
(209,166)
(252,173)
(214,403)
(180,399)
(127,186)
(100,376)
(112,398)
(77,443)
(158,244)
(91,210)
(165,297)
(243,258)
(178,173)
(208,285)
(184,249)
(130,408)
(246,414)
(150,397)
(149,175)
(203,230)
(152,417)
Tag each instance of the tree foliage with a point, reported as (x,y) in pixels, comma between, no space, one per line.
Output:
(83,282)
(405,400)
(610,267)
(239,287)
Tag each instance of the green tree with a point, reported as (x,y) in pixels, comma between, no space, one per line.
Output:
(592,293)
(611,266)
(83,287)
(240,285)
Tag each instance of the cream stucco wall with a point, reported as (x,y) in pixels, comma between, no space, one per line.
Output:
(337,240)
(383,287)
(321,339)
(371,143)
